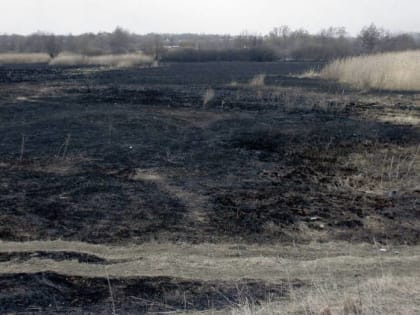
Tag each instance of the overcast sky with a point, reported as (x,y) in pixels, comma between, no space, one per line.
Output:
(204,16)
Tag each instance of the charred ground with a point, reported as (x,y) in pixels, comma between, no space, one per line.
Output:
(134,155)
(259,160)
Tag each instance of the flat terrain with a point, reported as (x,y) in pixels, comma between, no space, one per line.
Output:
(184,187)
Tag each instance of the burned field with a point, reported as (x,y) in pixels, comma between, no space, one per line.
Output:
(197,153)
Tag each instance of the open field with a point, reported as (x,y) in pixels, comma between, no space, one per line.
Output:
(204,188)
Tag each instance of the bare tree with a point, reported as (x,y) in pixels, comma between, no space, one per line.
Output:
(52,45)
(153,45)
(120,41)
(370,37)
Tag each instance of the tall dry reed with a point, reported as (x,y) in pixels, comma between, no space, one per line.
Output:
(24,58)
(386,71)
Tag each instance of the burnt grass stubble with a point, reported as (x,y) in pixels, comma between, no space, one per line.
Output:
(73,139)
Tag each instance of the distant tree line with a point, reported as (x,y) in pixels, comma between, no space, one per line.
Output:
(281,43)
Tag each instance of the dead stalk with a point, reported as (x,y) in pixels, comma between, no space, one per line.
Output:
(110,293)
(66,145)
(22,147)
(110,128)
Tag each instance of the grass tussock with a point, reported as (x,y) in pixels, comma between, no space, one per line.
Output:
(120,61)
(386,71)
(208,96)
(22,58)
(310,74)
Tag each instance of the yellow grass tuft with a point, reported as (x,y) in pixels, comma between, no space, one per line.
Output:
(310,74)
(120,61)
(258,80)
(386,71)
(22,58)
(208,96)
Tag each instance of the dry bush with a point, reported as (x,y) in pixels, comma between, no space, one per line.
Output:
(120,61)
(22,58)
(258,80)
(387,71)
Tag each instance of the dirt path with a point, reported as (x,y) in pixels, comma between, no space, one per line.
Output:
(208,262)
(69,277)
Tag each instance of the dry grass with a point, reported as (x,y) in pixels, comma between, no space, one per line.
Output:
(230,262)
(388,172)
(69,59)
(120,61)
(387,282)
(387,71)
(208,96)
(21,58)
(257,81)
(383,295)
(310,74)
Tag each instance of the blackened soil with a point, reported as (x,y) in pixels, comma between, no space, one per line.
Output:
(252,163)
(85,206)
(50,293)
